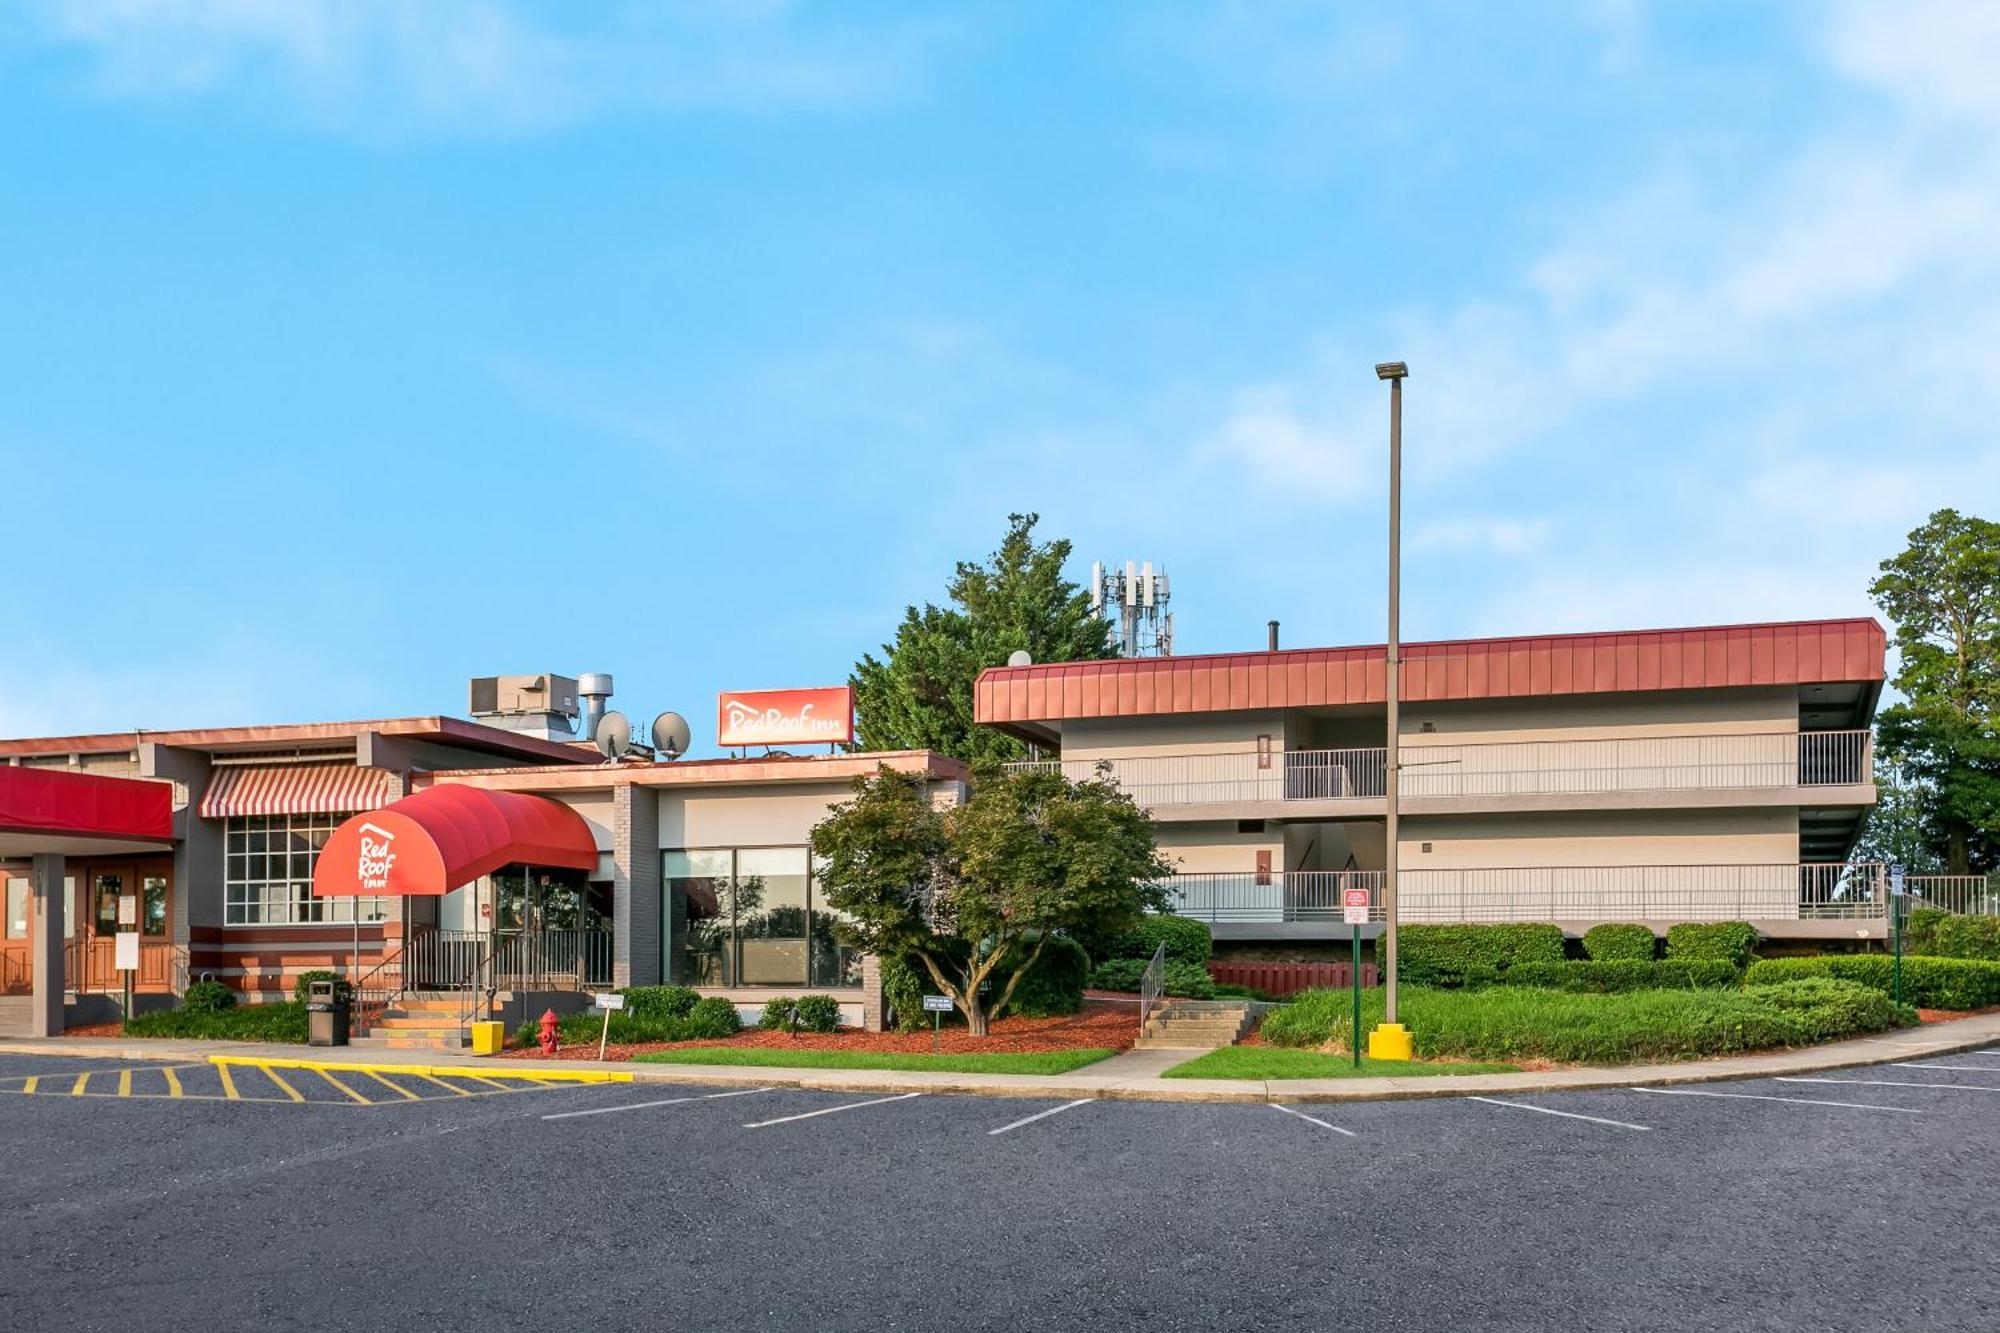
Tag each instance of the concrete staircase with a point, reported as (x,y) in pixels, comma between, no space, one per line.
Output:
(15,1013)
(419,1022)
(1196,1025)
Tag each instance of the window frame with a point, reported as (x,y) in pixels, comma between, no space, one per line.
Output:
(263,900)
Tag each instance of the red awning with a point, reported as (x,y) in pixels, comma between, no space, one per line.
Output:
(293,789)
(448,836)
(49,810)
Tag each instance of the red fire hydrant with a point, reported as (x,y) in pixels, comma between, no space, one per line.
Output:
(549,1039)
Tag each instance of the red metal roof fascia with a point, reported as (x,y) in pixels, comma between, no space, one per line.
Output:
(1801,652)
(447,836)
(37,800)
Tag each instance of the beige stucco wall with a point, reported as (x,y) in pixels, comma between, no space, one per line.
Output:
(746,816)
(1197,849)
(1754,836)
(1670,713)
(1203,733)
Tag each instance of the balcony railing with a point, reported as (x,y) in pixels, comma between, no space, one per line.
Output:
(1813,891)
(1489,768)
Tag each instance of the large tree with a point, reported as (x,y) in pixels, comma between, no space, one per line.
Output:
(1942,593)
(972,893)
(918,695)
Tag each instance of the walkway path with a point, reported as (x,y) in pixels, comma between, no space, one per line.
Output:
(1134,1075)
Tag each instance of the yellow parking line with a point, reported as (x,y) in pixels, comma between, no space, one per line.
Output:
(491,1083)
(393,1087)
(448,1087)
(124,1083)
(228,1083)
(173,1082)
(34,1081)
(82,1083)
(344,1088)
(289,1090)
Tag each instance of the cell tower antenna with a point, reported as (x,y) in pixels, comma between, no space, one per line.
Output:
(1132,598)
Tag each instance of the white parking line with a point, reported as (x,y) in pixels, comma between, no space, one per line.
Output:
(1043,1115)
(642,1106)
(1761,1097)
(829,1110)
(1311,1120)
(1567,1115)
(1891,1083)
(1948,1069)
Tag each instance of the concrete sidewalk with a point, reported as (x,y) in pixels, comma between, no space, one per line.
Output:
(1134,1075)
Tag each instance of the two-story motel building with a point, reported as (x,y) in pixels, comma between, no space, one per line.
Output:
(1657,776)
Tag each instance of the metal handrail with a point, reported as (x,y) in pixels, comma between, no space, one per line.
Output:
(1152,983)
(368,1001)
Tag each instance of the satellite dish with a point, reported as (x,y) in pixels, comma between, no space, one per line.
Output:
(614,735)
(671,735)
(1020,657)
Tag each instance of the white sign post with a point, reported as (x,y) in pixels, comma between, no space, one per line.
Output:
(607,1001)
(125,957)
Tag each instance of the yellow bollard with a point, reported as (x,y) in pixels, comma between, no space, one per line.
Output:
(1390,1041)
(488,1038)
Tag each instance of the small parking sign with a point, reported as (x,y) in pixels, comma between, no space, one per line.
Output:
(937,1004)
(1354,907)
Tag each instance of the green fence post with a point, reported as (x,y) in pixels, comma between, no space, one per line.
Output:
(1355,979)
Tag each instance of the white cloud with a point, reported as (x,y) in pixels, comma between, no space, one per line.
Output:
(477,65)
(1468,533)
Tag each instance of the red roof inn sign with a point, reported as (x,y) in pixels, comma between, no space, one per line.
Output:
(785,717)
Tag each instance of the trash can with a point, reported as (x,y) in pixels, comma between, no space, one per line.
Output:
(326,1013)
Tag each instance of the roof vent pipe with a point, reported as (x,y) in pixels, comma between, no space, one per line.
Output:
(595,688)
(1274,636)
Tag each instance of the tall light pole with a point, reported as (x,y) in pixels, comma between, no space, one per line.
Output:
(1391,1041)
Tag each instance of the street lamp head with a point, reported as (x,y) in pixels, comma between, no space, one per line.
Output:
(1391,370)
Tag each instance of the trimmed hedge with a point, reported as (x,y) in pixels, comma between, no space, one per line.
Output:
(250,1022)
(1450,956)
(706,1019)
(1514,1023)
(658,1003)
(1054,985)
(1942,934)
(1619,975)
(1930,983)
(1187,941)
(1188,981)
(1618,942)
(807,1013)
(1828,1007)
(207,996)
(1730,940)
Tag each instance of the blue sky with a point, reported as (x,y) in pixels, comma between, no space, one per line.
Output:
(355,349)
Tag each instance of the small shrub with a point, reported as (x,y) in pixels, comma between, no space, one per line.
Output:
(903,988)
(1054,985)
(1618,975)
(1186,981)
(712,1016)
(779,1014)
(660,1002)
(1829,1007)
(284,1022)
(1929,983)
(1460,956)
(1729,940)
(819,1013)
(1618,942)
(207,996)
(1187,941)
(302,985)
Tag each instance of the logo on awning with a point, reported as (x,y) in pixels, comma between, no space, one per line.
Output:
(376,860)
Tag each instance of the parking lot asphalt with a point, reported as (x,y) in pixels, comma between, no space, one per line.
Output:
(1856,1200)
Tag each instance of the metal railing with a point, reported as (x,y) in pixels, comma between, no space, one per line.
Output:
(1968,895)
(1152,984)
(1817,891)
(1278,895)
(566,960)
(90,965)
(1489,768)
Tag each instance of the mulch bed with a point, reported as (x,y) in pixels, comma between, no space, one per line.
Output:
(1103,1022)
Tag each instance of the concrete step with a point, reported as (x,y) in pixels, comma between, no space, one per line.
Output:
(413,1041)
(421,1021)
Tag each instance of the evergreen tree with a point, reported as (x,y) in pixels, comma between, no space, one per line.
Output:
(918,695)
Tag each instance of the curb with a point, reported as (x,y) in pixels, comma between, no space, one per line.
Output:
(433,1071)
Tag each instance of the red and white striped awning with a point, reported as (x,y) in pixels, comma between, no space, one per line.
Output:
(294,789)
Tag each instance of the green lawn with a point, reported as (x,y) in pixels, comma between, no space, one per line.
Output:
(999,1062)
(1276,1062)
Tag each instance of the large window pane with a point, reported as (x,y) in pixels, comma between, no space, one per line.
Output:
(698,903)
(771,915)
(267,874)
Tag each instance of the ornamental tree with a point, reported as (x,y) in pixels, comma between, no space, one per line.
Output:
(973,892)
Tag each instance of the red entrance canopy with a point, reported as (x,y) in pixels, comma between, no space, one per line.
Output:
(53,810)
(448,836)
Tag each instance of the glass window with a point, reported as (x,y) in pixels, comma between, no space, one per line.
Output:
(153,905)
(771,916)
(267,874)
(698,898)
(104,911)
(747,917)
(17,909)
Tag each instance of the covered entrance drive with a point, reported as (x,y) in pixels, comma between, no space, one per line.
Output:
(547,934)
(79,854)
